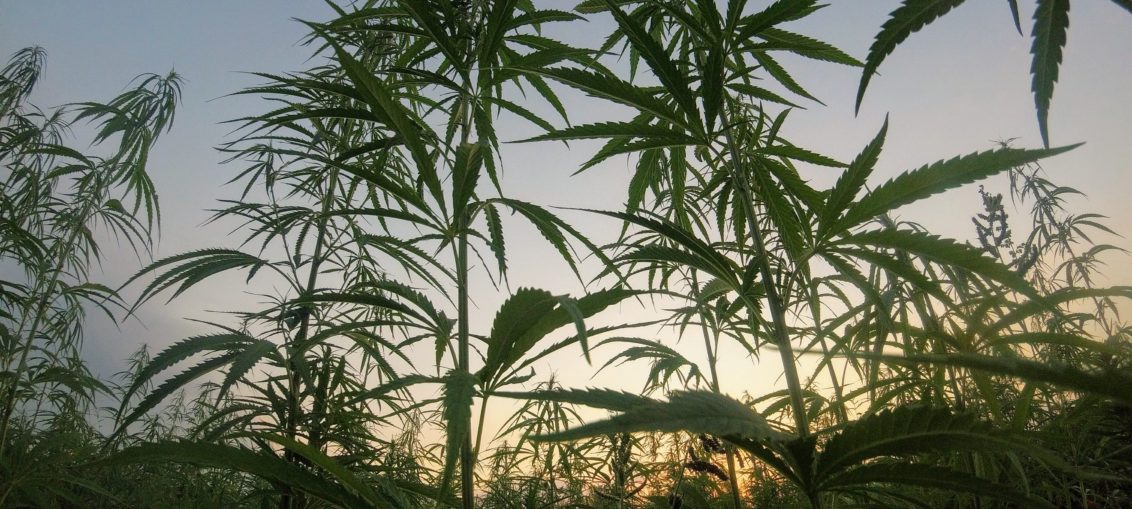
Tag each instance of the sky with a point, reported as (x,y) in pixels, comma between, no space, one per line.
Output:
(953,89)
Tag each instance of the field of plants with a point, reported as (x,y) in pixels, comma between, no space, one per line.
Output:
(913,370)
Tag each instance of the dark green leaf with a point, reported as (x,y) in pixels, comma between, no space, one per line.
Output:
(1051,22)
(910,17)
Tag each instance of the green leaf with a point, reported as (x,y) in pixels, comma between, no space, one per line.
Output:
(691,411)
(911,430)
(1109,383)
(269,467)
(665,70)
(1051,22)
(515,318)
(711,90)
(800,154)
(938,177)
(495,237)
(910,17)
(760,93)
(1029,309)
(528,316)
(535,18)
(778,12)
(929,476)
(180,351)
(459,392)
(944,251)
(1015,16)
(606,399)
(776,71)
(335,470)
(381,100)
(466,173)
(778,39)
(198,266)
(365,299)
(854,178)
(173,384)
(244,363)
(427,17)
(603,130)
(552,228)
(571,307)
(664,362)
(614,89)
(498,23)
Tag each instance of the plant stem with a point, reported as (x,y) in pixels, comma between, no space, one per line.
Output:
(40,308)
(774,301)
(467,457)
(479,427)
(736,500)
(294,405)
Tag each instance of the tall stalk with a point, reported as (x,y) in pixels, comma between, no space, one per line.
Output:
(39,307)
(774,301)
(294,389)
(467,453)
(136,118)
(733,481)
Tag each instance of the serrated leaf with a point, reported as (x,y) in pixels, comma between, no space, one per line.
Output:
(603,130)
(776,71)
(1015,16)
(495,237)
(614,89)
(459,392)
(778,12)
(853,180)
(180,351)
(909,430)
(944,251)
(760,93)
(400,120)
(910,17)
(691,411)
(173,384)
(196,267)
(778,39)
(465,175)
(929,476)
(518,314)
(665,70)
(800,154)
(269,467)
(551,227)
(607,399)
(1110,383)
(1051,23)
(937,177)
(244,363)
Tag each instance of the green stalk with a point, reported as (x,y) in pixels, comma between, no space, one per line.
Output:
(774,301)
(479,427)
(736,500)
(467,457)
(467,454)
(294,405)
(815,312)
(41,306)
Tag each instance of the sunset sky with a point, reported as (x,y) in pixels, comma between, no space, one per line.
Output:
(953,89)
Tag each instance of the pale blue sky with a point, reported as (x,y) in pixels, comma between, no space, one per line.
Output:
(950,90)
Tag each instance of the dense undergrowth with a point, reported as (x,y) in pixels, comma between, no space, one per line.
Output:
(949,374)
